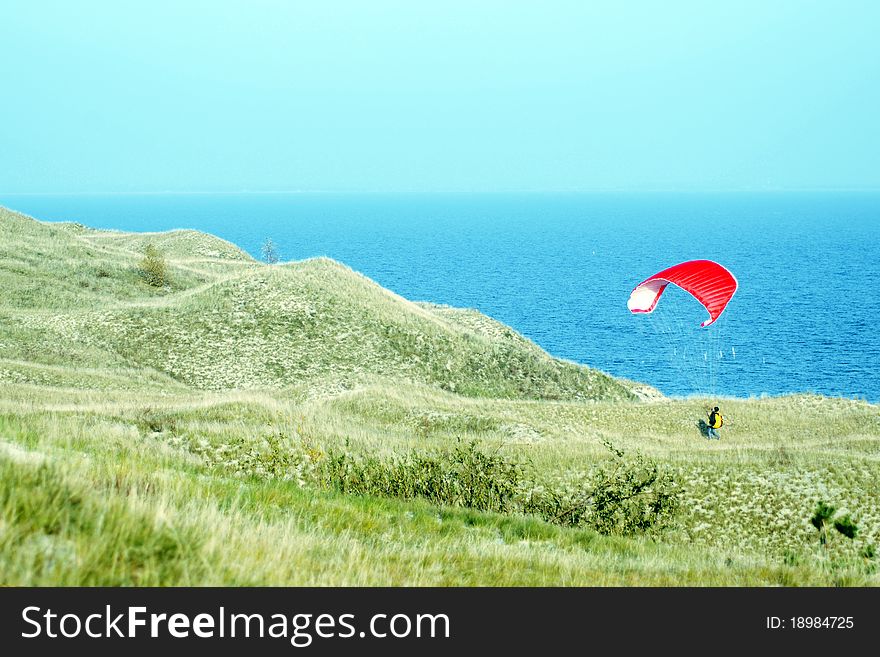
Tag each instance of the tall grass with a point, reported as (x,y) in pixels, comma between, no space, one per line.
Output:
(57,531)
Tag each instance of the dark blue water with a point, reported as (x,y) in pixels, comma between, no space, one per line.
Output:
(559,268)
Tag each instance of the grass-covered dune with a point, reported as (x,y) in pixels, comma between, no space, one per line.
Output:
(74,297)
(171,435)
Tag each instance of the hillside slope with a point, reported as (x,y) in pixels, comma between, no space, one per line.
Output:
(225,321)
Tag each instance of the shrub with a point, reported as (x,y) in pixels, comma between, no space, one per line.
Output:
(153,421)
(822,519)
(273,456)
(630,496)
(846,526)
(153,268)
(465,476)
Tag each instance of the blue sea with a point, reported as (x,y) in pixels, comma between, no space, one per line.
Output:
(559,268)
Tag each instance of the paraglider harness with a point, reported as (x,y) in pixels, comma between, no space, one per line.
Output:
(715,420)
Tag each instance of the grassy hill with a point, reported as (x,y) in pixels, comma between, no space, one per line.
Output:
(226,321)
(171,435)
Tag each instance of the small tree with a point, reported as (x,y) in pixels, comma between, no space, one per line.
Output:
(269,251)
(153,267)
(824,519)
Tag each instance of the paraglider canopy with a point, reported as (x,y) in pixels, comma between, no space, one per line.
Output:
(708,282)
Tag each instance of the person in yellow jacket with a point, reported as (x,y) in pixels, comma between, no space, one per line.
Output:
(715,423)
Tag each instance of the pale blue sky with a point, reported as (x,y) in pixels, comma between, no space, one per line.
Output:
(444,95)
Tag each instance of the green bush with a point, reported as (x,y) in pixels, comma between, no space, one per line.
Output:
(632,495)
(846,554)
(824,518)
(273,456)
(465,476)
(153,268)
(846,526)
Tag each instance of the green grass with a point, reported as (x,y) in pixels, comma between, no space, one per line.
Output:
(138,436)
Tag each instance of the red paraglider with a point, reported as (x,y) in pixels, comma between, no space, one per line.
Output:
(708,282)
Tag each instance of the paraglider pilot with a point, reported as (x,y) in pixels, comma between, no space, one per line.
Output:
(715,423)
